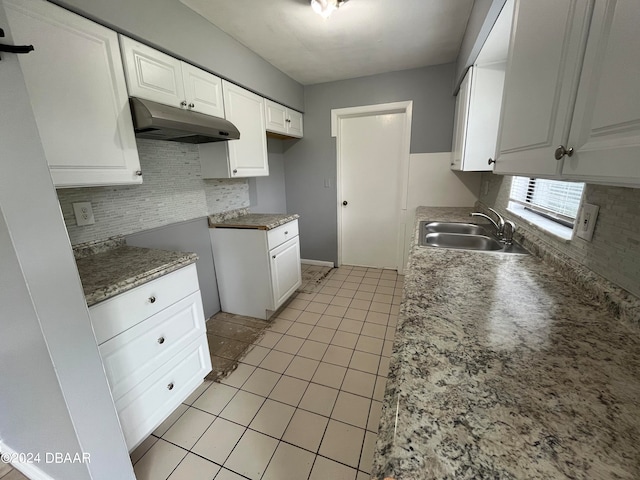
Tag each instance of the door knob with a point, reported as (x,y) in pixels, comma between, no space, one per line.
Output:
(561,152)
(345,203)
(491,160)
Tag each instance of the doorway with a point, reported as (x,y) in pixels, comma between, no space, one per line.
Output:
(372,174)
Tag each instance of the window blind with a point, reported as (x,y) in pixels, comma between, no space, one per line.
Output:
(553,199)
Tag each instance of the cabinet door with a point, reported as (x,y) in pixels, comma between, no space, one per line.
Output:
(545,56)
(460,121)
(483,117)
(203,90)
(285,270)
(294,128)
(76,85)
(247,156)
(151,74)
(276,117)
(605,132)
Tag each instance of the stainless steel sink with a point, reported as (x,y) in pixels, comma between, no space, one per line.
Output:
(452,227)
(464,236)
(466,242)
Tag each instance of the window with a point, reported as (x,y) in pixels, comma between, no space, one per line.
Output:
(547,199)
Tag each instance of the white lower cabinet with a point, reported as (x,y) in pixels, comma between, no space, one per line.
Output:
(257,270)
(153,344)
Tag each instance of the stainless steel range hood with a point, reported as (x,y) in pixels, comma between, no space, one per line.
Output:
(161,122)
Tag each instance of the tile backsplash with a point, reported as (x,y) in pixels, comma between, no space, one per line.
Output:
(172,191)
(613,253)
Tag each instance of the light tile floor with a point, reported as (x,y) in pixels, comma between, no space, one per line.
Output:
(305,401)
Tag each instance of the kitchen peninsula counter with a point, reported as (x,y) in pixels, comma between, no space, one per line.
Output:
(106,271)
(502,368)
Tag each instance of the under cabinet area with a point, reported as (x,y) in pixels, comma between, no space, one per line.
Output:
(77,89)
(153,344)
(257,269)
(571,108)
(161,78)
(282,120)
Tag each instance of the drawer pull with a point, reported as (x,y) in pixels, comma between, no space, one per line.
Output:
(161,340)
(170,386)
(286,233)
(152,299)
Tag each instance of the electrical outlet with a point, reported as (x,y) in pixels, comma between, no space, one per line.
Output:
(587,221)
(83,213)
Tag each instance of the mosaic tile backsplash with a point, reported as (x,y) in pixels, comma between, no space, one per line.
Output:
(172,191)
(613,253)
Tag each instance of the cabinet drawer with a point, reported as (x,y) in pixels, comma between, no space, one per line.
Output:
(281,234)
(146,406)
(132,356)
(117,314)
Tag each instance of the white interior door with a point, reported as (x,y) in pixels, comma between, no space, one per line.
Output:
(371,153)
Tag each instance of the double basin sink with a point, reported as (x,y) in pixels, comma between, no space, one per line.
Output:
(464,236)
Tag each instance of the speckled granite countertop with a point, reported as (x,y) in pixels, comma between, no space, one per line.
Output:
(243,219)
(120,268)
(504,369)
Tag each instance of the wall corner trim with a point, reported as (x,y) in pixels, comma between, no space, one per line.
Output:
(382,108)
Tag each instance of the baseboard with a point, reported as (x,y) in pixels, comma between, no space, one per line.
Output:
(30,470)
(319,263)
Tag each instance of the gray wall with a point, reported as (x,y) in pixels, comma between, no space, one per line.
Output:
(170,26)
(173,190)
(614,251)
(190,236)
(312,159)
(267,194)
(483,15)
(54,395)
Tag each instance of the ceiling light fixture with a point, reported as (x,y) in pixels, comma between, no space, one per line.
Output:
(324,8)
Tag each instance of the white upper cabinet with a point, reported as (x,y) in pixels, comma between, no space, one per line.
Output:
(203,91)
(77,89)
(460,121)
(294,128)
(479,101)
(247,156)
(151,74)
(572,108)
(159,77)
(605,130)
(544,63)
(282,120)
(477,118)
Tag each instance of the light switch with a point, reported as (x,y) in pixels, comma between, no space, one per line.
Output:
(587,221)
(83,213)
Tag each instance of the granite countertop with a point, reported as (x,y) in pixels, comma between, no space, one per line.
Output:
(243,219)
(120,268)
(504,369)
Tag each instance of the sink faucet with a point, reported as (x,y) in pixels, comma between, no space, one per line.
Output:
(508,232)
(499,224)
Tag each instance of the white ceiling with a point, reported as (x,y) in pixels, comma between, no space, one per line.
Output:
(363,37)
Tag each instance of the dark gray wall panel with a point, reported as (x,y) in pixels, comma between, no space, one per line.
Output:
(190,236)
